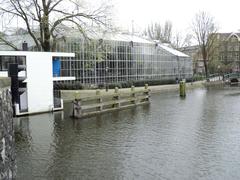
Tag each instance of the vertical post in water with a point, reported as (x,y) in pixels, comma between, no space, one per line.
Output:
(133,95)
(182,89)
(76,95)
(77,109)
(146,92)
(116,98)
(146,86)
(98,93)
(116,90)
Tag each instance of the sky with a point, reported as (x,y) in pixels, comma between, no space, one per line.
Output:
(140,13)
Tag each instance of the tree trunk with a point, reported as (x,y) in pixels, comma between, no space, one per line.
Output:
(204,55)
(205,68)
(46,34)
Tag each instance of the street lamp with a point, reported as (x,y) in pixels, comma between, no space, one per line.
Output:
(106,81)
(178,66)
(218,67)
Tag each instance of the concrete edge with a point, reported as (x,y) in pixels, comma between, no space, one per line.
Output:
(68,95)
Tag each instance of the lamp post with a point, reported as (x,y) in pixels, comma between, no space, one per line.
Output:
(106,81)
(179,73)
(218,67)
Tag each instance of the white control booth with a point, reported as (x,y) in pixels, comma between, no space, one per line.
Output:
(38,95)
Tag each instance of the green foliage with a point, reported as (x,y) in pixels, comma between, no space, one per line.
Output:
(68,86)
(198,77)
(139,83)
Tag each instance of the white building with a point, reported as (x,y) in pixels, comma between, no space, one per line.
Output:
(36,94)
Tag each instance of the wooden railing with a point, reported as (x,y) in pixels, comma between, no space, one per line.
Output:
(93,105)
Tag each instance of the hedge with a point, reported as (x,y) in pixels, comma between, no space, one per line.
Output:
(77,85)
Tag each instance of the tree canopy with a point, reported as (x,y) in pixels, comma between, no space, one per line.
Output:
(204,30)
(164,33)
(44,19)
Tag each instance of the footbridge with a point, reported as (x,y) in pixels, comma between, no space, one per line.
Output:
(232,78)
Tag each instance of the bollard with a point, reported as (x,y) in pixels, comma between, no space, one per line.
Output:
(116,89)
(182,88)
(132,88)
(107,87)
(116,98)
(146,86)
(97,92)
(76,95)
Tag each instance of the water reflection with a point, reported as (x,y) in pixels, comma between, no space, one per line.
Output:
(22,130)
(172,138)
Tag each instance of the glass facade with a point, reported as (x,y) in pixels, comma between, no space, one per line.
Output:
(111,61)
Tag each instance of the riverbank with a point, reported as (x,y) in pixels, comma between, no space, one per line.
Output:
(69,95)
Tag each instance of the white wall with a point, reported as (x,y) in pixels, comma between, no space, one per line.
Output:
(39,82)
(39,78)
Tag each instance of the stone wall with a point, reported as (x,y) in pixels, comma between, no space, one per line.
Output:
(7,146)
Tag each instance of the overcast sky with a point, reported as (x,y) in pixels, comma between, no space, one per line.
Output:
(140,13)
(179,12)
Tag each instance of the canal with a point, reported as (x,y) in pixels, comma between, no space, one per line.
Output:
(172,138)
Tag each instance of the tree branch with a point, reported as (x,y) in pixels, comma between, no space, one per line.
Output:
(9,43)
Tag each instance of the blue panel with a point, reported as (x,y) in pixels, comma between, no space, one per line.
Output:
(56,67)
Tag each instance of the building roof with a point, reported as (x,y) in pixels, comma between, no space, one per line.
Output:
(128,38)
(109,35)
(173,51)
(17,40)
(226,36)
(189,48)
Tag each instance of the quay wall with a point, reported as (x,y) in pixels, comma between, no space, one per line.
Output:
(7,140)
(69,95)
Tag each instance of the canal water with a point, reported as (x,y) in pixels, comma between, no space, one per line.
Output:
(172,138)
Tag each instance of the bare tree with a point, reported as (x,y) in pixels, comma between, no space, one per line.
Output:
(50,16)
(8,43)
(167,31)
(158,32)
(204,29)
(179,40)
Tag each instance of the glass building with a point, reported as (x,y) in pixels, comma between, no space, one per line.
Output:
(114,57)
(121,57)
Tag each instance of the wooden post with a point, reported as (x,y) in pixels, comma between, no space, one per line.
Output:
(82,106)
(182,89)
(146,86)
(133,95)
(116,98)
(132,88)
(76,95)
(116,90)
(146,92)
(98,93)
(77,110)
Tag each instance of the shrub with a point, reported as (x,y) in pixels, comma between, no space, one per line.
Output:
(139,83)
(68,86)
(198,77)
(113,85)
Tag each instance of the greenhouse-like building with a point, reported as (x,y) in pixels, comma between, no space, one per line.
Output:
(115,57)
(122,57)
